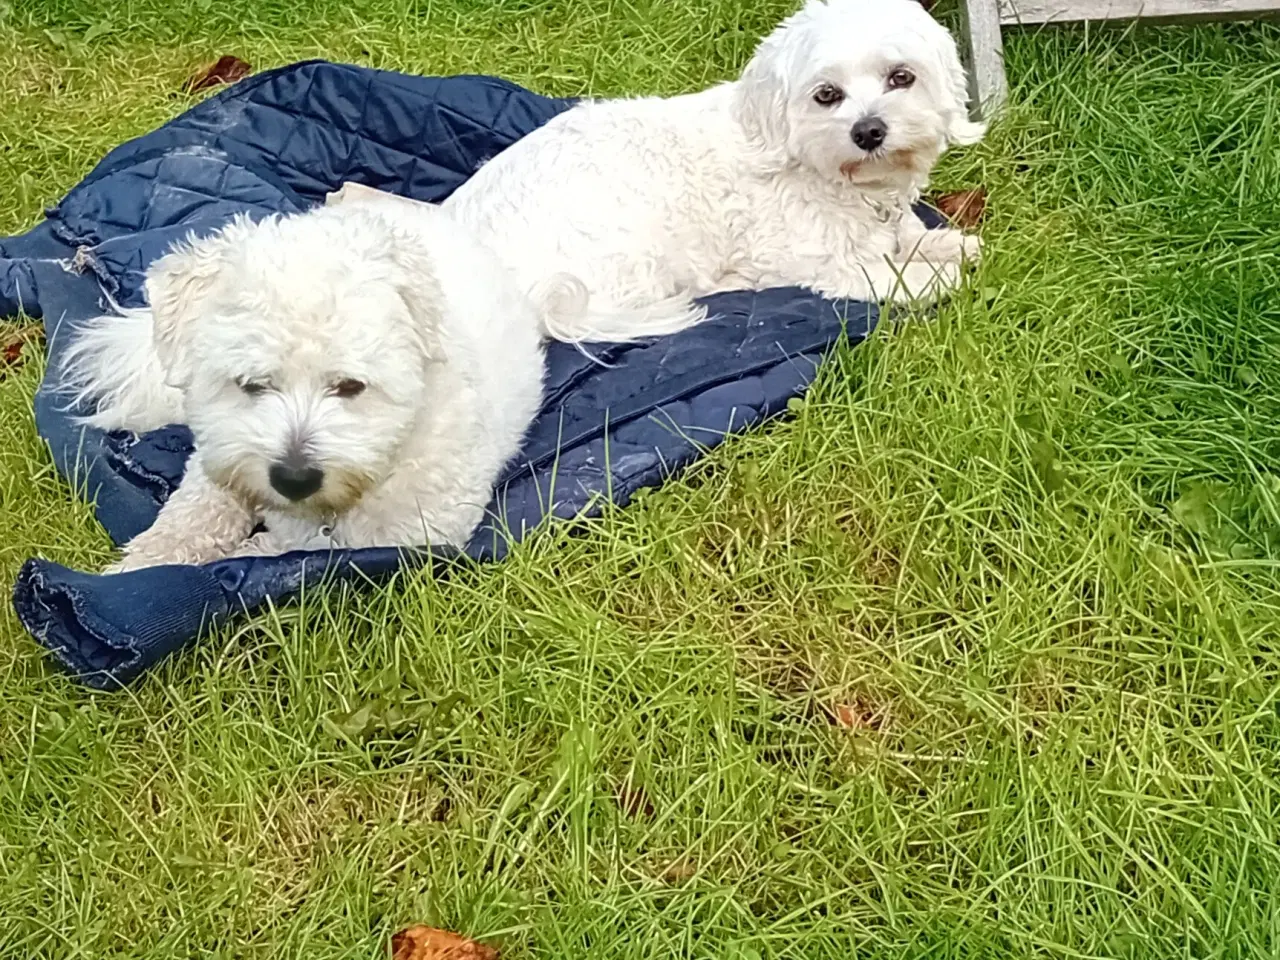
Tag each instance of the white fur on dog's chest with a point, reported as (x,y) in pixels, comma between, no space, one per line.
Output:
(783,233)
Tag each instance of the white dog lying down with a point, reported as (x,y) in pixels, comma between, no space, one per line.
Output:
(802,172)
(353,376)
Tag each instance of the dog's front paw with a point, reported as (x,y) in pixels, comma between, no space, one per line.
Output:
(947,246)
(971,248)
(918,282)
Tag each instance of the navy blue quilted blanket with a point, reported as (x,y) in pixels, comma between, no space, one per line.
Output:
(278,142)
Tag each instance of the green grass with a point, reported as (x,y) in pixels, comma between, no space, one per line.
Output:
(1030,549)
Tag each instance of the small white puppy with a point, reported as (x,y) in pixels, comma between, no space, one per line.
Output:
(353,376)
(802,172)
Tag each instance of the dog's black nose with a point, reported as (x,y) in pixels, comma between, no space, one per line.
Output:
(869,133)
(295,481)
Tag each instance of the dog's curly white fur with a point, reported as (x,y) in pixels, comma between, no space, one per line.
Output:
(801,172)
(353,376)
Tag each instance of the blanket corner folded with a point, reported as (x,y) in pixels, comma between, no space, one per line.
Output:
(107,631)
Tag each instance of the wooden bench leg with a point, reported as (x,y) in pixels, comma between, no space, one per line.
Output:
(986,55)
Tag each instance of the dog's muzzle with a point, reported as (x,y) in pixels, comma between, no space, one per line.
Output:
(295,481)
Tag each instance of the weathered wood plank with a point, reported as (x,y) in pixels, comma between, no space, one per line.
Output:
(1065,11)
(986,55)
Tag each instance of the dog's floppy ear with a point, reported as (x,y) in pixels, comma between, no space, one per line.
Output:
(177,286)
(965,131)
(415,281)
(421,294)
(760,100)
(960,129)
(764,90)
(379,227)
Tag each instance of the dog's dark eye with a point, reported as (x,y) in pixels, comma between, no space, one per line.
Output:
(346,389)
(253,387)
(900,79)
(827,95)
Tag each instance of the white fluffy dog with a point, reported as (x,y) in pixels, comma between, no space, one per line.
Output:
(801,172)
(353,376)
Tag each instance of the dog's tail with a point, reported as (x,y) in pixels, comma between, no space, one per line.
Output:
(564,304)
(113,363)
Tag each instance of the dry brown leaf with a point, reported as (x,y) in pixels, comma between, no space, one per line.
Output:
(12,344)
(634,801)
(858,715)
(851,718)
(964,208)
(226,69)
(680,871)
(428,943)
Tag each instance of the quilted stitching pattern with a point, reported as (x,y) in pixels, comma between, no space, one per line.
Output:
(279,142)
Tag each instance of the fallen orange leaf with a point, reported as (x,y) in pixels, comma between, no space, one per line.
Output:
(857,715)
(226,69)
(428,943)
(11,346)
(849,717)
(964,208)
